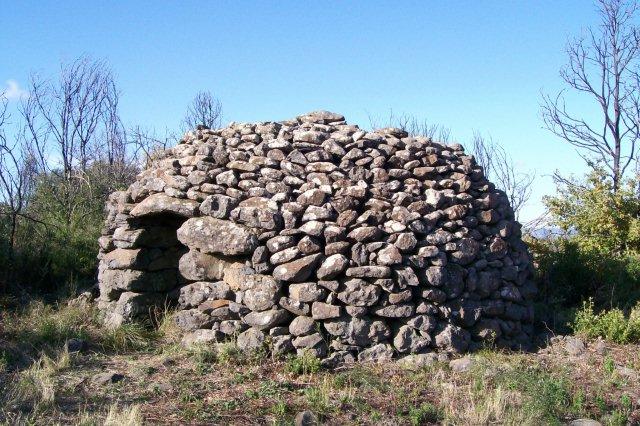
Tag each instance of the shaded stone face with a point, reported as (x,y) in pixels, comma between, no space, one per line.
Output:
(312,235)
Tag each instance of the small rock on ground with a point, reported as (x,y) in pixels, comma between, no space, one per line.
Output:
(75,345)
(461,364)
(600,347)
(584,422)
(574,346)
(627,372)
(422,360)
(107,378)
(306,418)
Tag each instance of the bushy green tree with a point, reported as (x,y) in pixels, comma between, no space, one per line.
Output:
(594,216)
(593,251)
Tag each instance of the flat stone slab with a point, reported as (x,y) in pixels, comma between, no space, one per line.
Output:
(216,236)
(163,204)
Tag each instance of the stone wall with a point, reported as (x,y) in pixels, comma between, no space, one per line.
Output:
(315,235)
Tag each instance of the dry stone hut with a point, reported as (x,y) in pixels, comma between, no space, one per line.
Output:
(314,235)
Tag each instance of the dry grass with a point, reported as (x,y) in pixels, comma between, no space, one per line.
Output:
(491,406)
(123,416)
(167,384)
(37,384)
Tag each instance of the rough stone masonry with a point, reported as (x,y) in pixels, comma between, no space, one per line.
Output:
(315,235)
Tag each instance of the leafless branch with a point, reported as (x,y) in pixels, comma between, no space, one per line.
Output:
(602,65)
(413,126)
(66,119)
(74,138)
(500,168)
(147,144)
(205,110)
(17,177)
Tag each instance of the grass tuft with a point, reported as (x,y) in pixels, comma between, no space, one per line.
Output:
(425,413)
(37,385)
(307,363)
(48,326)
(229,353)
(128,337)
(318,398)
(123,416)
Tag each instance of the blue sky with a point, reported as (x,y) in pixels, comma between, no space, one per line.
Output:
(468,65)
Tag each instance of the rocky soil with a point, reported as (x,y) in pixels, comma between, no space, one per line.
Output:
(571,382)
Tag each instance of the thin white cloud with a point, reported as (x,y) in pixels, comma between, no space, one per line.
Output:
(13,92)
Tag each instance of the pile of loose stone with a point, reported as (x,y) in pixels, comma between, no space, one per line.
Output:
(314,235)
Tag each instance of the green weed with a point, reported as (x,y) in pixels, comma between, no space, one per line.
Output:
(318,399)
(40,325)
(612,325)
(425,413)
(301,365)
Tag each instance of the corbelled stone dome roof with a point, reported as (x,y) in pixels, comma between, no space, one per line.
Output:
(313,234)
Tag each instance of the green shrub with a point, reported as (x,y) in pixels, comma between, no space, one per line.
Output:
(596,255)
(55,245)
(305,364)
(597,217)
(425,413)
(609,364)
(612,325)
(569,274)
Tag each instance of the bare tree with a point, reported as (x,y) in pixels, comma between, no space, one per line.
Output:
(115,146)
(499,168)
(416,127)
(66,119)
(603,67)
(17,176)
(114,165)
(204,110)
(147,144)
(4,116)
(413,126)
(76,138)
